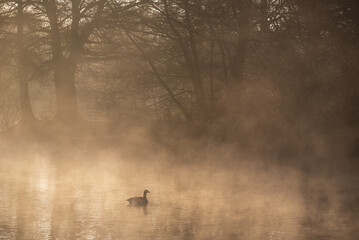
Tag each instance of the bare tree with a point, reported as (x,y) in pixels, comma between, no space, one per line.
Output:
(66,56)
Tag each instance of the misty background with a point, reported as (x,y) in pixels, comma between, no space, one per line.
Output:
(188,96)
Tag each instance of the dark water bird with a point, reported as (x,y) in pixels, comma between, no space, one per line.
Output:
(139,201)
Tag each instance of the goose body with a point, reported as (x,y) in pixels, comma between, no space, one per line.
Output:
(139,201)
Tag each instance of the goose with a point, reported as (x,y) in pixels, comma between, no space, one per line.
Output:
(139,201)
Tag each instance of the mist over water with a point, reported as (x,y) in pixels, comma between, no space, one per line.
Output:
(81,193)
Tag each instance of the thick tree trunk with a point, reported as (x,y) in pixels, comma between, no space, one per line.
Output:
(65,67)
(26,110)
(64,72)
(66,94)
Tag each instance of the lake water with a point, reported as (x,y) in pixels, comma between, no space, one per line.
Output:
(51,196)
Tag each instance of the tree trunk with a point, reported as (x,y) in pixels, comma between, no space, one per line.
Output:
(64,72)
(240,53)
(26,110)
(66,94)
(200,96)
(194,66)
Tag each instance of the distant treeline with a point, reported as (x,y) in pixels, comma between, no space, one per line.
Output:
(226,66)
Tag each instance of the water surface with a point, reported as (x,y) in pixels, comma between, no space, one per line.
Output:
(45,196)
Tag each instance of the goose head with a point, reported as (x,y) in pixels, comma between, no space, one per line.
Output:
(145,193)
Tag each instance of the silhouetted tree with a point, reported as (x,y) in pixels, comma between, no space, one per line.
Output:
(26,111)
(85,16)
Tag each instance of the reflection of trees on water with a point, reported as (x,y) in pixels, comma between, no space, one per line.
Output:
(317,205)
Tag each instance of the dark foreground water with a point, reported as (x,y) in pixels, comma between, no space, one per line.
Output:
(43,196)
